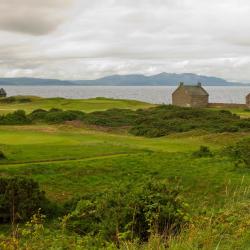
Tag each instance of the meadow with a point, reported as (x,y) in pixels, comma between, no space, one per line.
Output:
(74,159)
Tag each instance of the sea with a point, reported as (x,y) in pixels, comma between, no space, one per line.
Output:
(151,94)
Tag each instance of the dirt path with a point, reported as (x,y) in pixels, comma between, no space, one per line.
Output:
(66,160)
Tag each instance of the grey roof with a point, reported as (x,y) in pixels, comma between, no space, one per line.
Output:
(193,90)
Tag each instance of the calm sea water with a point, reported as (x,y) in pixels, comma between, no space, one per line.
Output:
(152,94)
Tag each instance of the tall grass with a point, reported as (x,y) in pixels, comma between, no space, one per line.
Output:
(219,229)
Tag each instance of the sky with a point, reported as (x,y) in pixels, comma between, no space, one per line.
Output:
(82,39)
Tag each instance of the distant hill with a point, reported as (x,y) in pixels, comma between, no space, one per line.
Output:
(163,79)
(32,81)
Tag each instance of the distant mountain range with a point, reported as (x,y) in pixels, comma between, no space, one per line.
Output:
(163,79)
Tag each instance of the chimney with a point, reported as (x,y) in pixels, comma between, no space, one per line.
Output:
(199,84)
(181,84)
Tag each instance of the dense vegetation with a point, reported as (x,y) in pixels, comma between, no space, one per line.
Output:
(187,190)
(19,199)
(153,122)
(240,153)
(130,213)
(2,156)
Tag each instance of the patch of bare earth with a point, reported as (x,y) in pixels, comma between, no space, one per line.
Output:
(80,124)
(47,129)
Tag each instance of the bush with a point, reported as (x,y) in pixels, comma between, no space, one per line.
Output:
(112,118)
(38,115)
(154,122)
(62,116)
(203,152)
(167,119)
(24,100)
(240,153)
(130,213)
(16,118)
(10,99)
(20,198)
(2,156)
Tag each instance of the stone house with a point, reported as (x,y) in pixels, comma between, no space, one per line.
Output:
(248,100)
(2,93)
(190,96)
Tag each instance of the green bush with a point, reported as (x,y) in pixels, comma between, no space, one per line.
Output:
(112,118)
(240,153)
(38,115)
(154,122)
(130,213)
(16,118)
(203,152)
(62,116)
(167,119)
(20,198)
(10,99)
(2,156)
(24,100)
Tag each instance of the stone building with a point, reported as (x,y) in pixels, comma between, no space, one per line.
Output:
(248,100)
(2,93)
(190,96)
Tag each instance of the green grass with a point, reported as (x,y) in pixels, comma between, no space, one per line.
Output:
(68,160)
(86,105)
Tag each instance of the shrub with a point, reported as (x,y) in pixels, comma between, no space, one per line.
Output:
(112,118)
(24,100)
(167,119)
(55,110)
(203,152)
(20,198)
(130,213)
(16,118)
(240,153)
(62,116)
(38,114)
(2,156)
(10,99)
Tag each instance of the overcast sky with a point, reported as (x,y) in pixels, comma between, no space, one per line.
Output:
(86,39)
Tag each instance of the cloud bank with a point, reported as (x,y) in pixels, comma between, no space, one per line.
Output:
(79,39)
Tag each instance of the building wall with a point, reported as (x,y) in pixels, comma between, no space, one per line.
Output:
(180,98)
(248,100)
(199,101)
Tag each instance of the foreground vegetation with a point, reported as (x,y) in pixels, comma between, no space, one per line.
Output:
(100,187)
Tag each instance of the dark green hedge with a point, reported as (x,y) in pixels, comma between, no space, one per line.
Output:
(154,122)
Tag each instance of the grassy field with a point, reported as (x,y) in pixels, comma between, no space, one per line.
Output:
(85,105)
(68,160)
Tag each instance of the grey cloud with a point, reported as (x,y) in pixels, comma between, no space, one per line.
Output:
(32,17)
(125,36)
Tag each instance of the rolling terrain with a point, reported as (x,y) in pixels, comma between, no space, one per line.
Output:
(72,159)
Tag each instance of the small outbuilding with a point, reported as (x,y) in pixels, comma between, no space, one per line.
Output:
(2,93)
(190,96)
(248,100)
